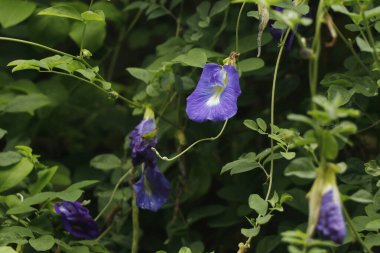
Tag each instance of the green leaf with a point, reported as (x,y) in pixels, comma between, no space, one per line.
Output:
(87,73)
(21,209)
(105,162)
(6,249)
(218,7)
(96,15)
(196,57)
(81,185)
(111,12)
(28,64)
(27,103)
(261,123)
(360,222)
(372,240)
(42,243)
(371,168)
(285,197)
(13,12)
(106,85)
(44,177)
(372,12)
(301,167)
(250,64)
(70,195)
(339,93)
(250,232)
(258,204)
(251,124)
(373,225)
(329,146)
(12,175)
(64,11)
(204,212)
(362,196)
(141,74)
(9,158)
(288,155)
(2,133)
(243,164)
(264,219)
(184,250)
(301,118)
(94,36)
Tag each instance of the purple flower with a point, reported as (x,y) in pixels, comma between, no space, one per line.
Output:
(215,97)
(330,222)
(77,220)
(143,138)
(152,189)
(277,33)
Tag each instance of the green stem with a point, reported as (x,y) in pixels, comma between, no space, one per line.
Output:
(354,232)
(279,56)
(84,33)
(22,222)
(121,180)
(221,29)
(316,46)
(179,19)
(105,232)
(135,224)
(82,40)
(349,45)
(191,146)
(36,45)
(123,32)
(371,39)
(237,27)
(128,101)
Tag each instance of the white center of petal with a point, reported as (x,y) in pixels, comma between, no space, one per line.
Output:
(215,98)
(218,89)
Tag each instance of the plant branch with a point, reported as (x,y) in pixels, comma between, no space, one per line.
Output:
(237,27)
(191,146)
(121,180)
(279,56)
(354,232)
(349,45)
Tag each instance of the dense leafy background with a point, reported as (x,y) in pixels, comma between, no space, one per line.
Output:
(153,52)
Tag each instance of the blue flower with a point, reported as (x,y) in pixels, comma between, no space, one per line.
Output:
(152,189)
(77,220)
(143,138)
(215,97)
(331,222)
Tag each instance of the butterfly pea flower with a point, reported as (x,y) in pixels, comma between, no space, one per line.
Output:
(152,189)
(143,138)
(76,219)
(325,209)
(331,222)
(216,94)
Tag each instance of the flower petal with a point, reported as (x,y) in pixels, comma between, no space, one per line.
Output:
(77,220)
(331,222)
(215,97)
(143,138)
(152,189)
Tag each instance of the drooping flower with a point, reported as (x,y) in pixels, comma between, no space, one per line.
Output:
(77,220)
(152,189)
(331,222)
(215,97)
(143,138)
